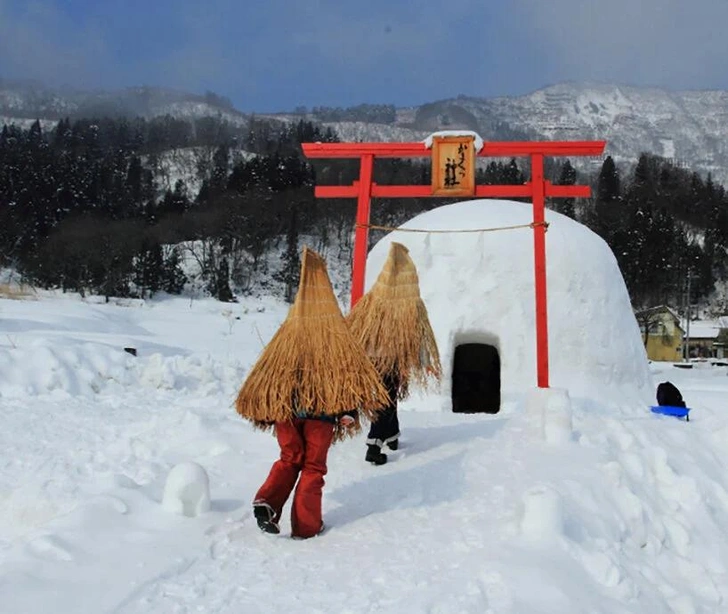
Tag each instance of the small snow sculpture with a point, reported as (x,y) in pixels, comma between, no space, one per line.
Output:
(187,490)
(543,514)
(548,411)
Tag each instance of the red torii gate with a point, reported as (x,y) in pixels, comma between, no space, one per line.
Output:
(538,189)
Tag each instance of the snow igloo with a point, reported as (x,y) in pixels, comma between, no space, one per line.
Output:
(479,291)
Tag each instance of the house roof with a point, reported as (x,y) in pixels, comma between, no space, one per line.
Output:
(703,329)
(657,309)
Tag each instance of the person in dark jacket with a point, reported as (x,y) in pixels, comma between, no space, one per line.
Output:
(391,323)
(384,429)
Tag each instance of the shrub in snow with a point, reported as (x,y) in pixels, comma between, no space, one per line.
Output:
(187,490)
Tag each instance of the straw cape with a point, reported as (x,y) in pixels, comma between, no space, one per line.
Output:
(312,364)
(392,324)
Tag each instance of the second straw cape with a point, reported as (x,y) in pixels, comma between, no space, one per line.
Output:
(392,324)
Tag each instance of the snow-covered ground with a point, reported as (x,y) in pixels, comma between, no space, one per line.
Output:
(603,510)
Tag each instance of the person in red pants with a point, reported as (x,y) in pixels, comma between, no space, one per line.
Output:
(311,385)
(304,444)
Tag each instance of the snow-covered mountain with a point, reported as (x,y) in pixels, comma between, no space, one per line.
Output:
(23,101)
(689,127)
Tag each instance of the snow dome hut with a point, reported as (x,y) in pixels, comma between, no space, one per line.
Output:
(479,291)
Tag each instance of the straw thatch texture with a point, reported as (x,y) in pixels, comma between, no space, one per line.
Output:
(392,324)
(313,363)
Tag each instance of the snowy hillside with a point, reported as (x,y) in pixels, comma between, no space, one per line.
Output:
(686,126)
(23,100)
(185,163)
(620,511)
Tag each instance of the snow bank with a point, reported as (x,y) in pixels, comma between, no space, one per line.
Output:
(87,369)
(77,347)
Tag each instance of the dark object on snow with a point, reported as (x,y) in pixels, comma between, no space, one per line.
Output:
(375,456)
(668,394)
(670,401)
(131,351)
(384,429)
(264,515)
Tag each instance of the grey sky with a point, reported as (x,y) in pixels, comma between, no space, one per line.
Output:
(278,54)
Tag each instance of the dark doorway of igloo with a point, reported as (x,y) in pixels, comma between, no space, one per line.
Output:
(476,379)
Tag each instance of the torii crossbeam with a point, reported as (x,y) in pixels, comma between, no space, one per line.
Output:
(538,189)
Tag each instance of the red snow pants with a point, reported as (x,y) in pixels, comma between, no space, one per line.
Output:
(304,446)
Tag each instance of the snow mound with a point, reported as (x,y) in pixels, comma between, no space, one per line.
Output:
(479,288)
(187,490)
(86,369)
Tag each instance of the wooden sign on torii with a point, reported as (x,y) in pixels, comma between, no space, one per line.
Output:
(538,189)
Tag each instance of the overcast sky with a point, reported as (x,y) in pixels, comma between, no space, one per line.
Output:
(274,55)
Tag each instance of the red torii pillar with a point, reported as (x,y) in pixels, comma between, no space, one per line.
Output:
(538,189)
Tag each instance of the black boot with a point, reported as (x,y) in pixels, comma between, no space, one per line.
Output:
(264,515)
(374,455)
(393,445)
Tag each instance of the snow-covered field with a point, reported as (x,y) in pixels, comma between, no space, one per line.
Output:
(613,511)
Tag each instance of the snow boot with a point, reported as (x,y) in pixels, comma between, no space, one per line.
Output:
(374,455)
(264,515)
(393,445)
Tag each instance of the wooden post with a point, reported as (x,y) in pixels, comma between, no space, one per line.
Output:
(539,253)
(361,235)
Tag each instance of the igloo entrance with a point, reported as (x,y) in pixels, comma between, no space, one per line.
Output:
(476,379)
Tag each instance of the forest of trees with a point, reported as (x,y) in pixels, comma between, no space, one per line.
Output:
(83,208)
(372,113)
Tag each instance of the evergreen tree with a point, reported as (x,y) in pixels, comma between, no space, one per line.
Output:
(606,216)
(566,177)
(149,269)
(219,177)
(173,278)
(512,174)
(220,286)
(608,183)
(290,273)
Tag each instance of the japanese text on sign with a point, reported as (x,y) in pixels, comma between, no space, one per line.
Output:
(453,166)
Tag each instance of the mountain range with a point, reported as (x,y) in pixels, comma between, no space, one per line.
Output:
(689,127)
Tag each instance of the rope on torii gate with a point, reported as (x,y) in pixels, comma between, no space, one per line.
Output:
(396,229)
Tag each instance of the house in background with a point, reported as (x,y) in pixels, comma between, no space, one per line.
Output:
(661,333)
(706,338)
